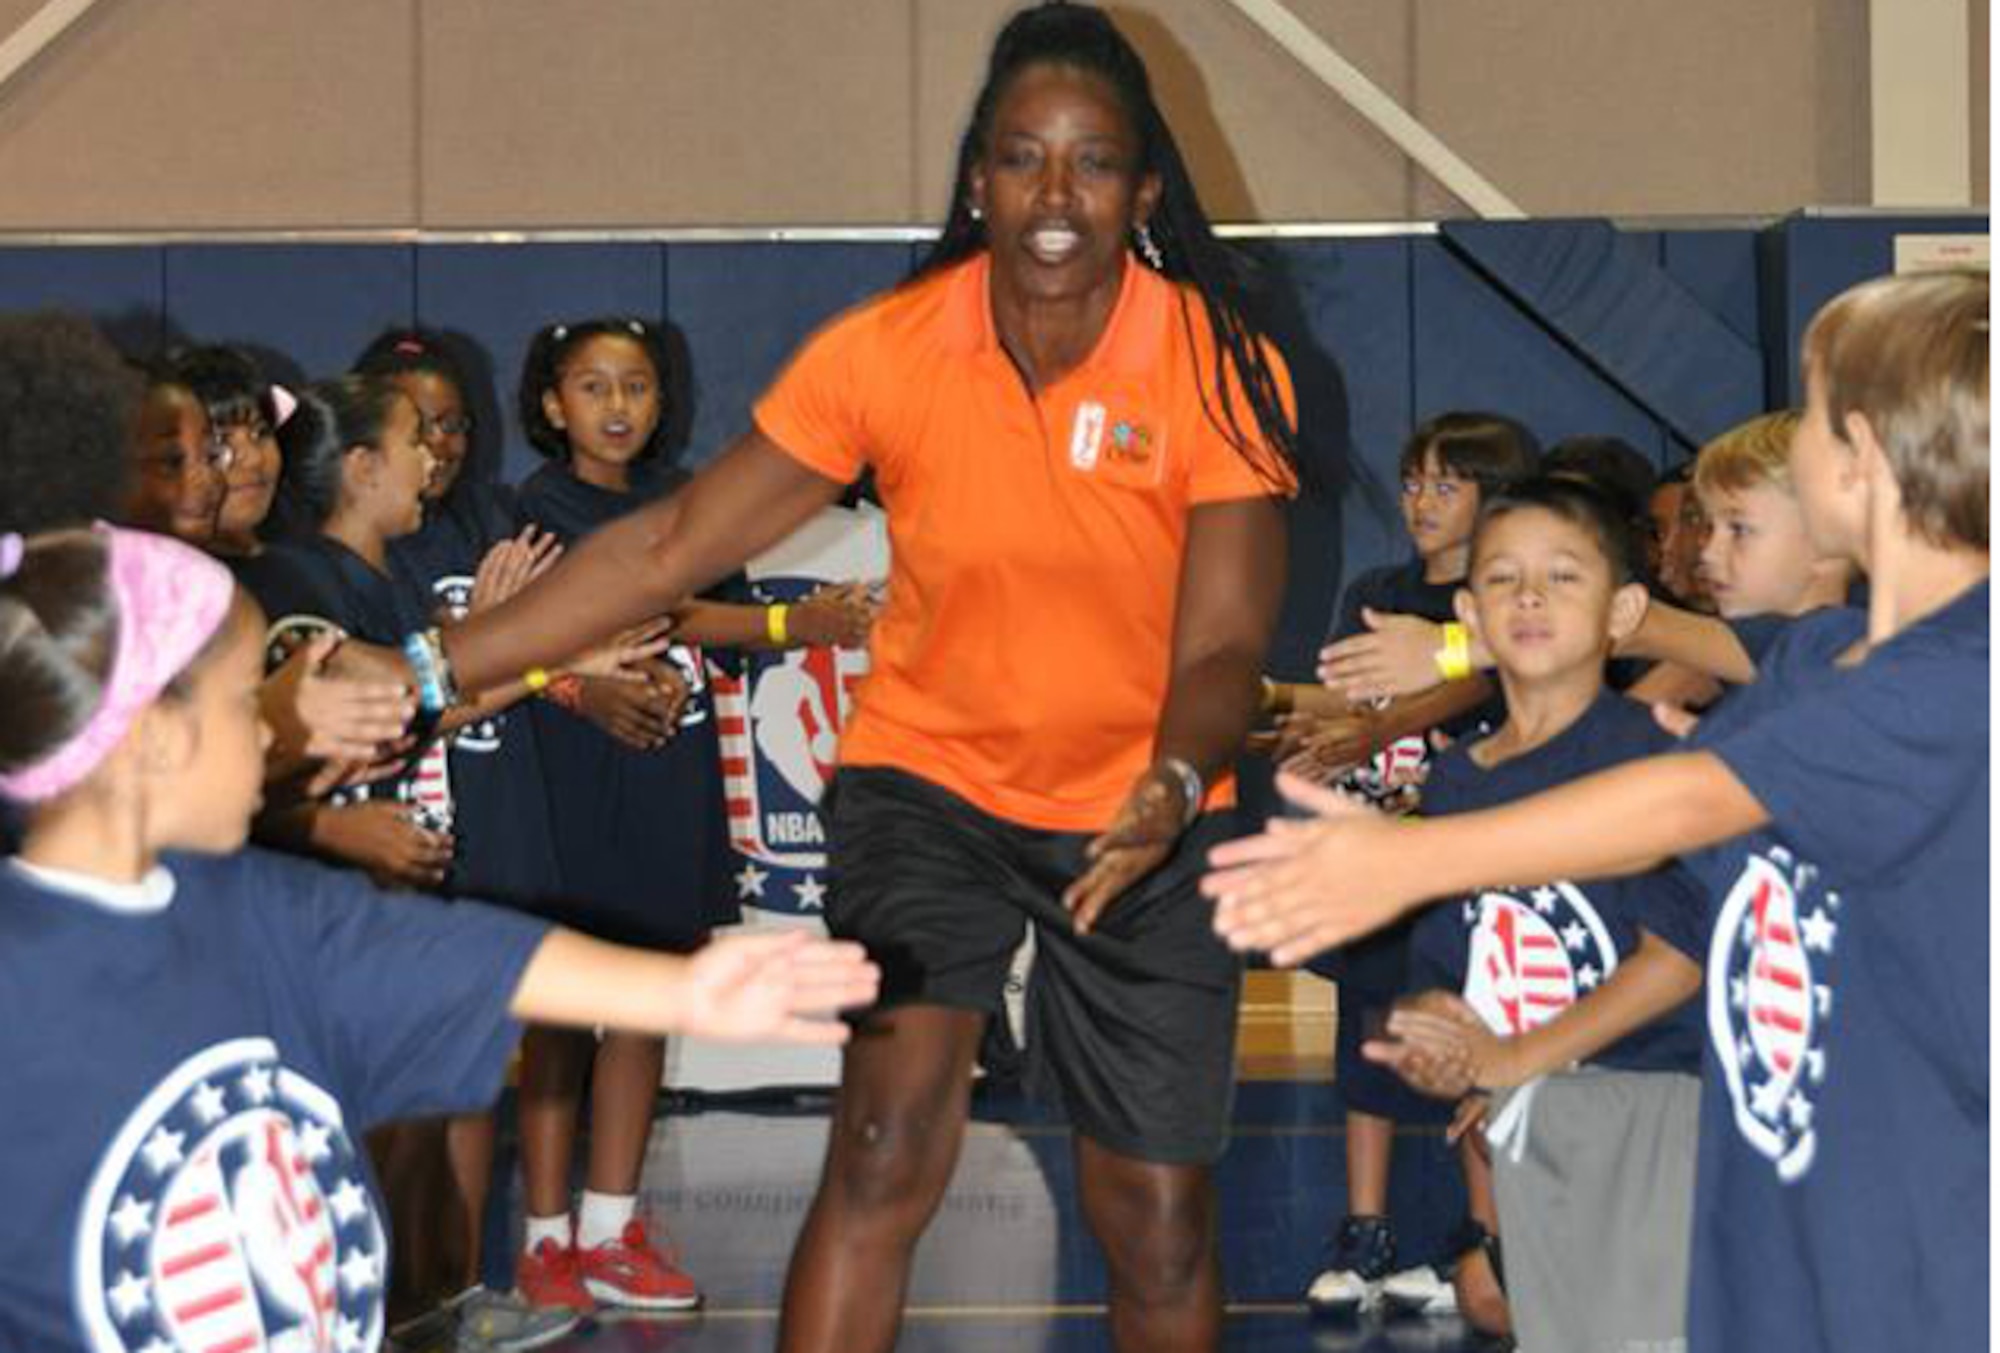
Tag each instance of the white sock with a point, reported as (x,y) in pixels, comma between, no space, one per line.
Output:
(602,1217)
(554,1228)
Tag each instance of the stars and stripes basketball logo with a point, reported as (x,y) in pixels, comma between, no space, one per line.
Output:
(779,727)
(1769,999)
(230,1214)
(1533,955)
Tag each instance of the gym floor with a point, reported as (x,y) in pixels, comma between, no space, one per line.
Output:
(1007,1263)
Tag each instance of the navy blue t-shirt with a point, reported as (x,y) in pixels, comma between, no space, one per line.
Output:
(1521,956)
(1842,1185)
(494,780)
(308,585)
(187,1086)
(642,837)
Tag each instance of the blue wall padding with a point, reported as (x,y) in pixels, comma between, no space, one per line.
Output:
(1605,294)
(1808,260)
(1476,349)
(1719,269)
(713,290)
(119,287)
(1571,327)
(499,295)
(315,304)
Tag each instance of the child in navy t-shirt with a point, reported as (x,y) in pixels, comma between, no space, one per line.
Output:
(196,1035)
(1844,1170)
(1592,1170)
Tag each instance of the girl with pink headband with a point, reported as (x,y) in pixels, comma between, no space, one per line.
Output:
(197,1034)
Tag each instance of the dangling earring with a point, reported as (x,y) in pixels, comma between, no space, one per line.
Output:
(1148,247)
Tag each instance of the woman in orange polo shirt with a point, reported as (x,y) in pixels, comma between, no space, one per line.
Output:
(1082,443)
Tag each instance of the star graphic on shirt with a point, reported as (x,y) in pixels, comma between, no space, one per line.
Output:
(809,893)
(750,882)
(1822,999)
(1586,976)
(1745,1053)
(313,1139)
(348,1202)
(1544,899)
(132,1219)
(347,1334)
(1739,994)
(256,1084)
(1817,932)
(1767,1099)
(1800,1110)
(163,1149)
(1816,1065)
(209,1104)
(130,1296)
(1575,936)
(360,1271)
(157,1345)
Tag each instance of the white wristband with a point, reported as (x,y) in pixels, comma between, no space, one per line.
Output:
(1192,789)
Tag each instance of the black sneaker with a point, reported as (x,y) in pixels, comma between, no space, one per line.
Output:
(1360,1256)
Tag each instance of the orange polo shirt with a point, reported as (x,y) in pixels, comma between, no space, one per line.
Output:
(1022,658)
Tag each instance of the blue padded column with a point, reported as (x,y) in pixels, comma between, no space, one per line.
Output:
(1808,260)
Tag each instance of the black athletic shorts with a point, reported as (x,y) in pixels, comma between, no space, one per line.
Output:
(1132,1028)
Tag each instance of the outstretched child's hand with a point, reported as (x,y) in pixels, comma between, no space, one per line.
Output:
(774,988)
(1394,656)
(1307,884)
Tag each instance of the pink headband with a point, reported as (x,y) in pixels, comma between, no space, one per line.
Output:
(170,600)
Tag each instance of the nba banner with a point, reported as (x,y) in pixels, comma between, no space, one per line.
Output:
(778,720)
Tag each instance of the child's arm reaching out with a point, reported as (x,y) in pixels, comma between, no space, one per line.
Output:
(777,987)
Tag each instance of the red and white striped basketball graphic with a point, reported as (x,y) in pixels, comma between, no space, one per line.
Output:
(779,724)
(1770,995)
(230,1214)
(224,1239)
(1533,956)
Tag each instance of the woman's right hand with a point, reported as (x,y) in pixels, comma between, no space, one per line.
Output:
(642,714)
(382,837)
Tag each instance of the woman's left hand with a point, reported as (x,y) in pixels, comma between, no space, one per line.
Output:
(1142,835)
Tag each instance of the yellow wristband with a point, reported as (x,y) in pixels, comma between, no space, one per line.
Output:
(774,625)
(536,679)
(1454,655)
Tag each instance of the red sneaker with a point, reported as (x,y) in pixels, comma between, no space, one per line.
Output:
(550,1276)
(628,1271)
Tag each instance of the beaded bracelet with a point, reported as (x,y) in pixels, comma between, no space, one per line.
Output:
(436,691)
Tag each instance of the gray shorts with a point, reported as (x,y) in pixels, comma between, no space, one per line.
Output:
(1596,1213)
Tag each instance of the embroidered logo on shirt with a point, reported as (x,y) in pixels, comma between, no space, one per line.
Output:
(1086,435)
(231,1212)
(1531,958)
(1767,1010)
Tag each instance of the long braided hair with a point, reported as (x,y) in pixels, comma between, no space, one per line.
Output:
(1082,37)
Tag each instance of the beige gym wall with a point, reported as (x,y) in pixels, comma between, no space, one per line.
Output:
(454,114)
